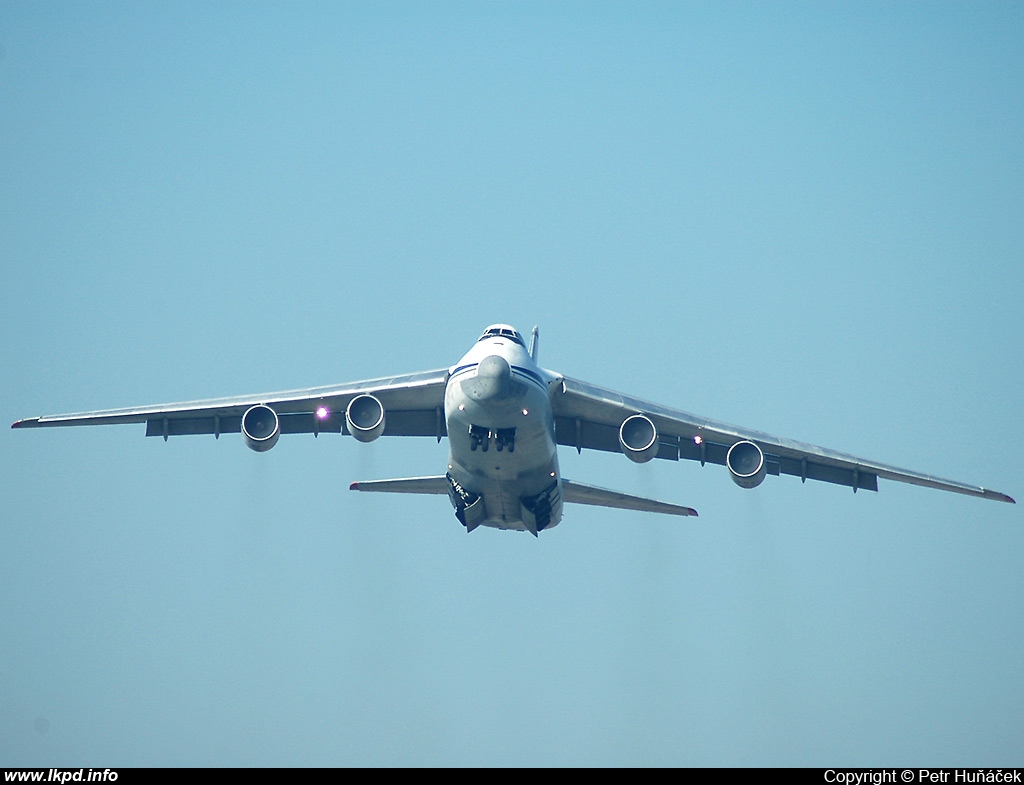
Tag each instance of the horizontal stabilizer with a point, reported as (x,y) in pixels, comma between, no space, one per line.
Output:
(577,493)
(432,485)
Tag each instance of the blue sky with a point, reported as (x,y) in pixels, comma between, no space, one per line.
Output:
(798,217)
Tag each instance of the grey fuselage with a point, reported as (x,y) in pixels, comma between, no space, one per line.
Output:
(503,464)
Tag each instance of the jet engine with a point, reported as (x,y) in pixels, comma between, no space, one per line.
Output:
(746,464)
(365,417)
(638,438)
(260,428)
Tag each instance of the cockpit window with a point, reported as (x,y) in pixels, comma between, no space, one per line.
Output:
(503,332)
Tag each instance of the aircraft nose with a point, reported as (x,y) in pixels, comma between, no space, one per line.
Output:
(493,380)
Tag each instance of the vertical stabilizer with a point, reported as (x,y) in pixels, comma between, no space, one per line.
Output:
(534,337)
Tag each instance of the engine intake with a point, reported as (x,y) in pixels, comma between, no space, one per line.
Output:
(365,417)
(746,464)
(260,427)
(638,438)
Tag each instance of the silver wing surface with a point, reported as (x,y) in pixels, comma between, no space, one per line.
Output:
(589,417)
(414,405)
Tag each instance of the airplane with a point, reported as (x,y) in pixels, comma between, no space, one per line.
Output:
(504,417)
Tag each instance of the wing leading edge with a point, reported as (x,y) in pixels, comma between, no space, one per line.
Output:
(414,405)
(588,417)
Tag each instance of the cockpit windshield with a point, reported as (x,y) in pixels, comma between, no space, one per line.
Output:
(502,331)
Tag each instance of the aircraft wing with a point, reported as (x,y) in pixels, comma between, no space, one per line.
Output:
(414,406)
(589,417)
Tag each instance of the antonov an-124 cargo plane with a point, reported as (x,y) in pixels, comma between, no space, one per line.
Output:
(504,417)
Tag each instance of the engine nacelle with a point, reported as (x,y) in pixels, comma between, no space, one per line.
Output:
(365,417)
(746,464)
(638,438)
(260,428)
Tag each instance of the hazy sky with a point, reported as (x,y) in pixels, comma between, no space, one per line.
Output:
(804,218)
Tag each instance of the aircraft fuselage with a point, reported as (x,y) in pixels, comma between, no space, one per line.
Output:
(503,464)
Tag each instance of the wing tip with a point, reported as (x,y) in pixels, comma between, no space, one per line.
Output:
(996,496)
(28,422)
(353,486)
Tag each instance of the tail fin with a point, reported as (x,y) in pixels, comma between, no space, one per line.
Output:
(534,340)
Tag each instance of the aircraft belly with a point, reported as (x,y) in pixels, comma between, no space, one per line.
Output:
(503,508)
(503,487)
(525,466)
